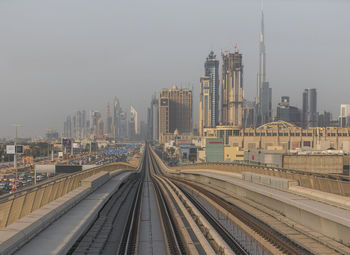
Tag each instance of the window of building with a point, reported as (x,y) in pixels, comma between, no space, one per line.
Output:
(292,134)
(235,132)
(333,134)
(309,134)
(262,134)
(297,134)
(303,134)
(285,134)
(251,134)
(274,134)
(307,143)
(345,134)
(280,134)
(268,134)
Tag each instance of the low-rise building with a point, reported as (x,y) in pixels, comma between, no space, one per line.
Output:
(281,133)
(214,150)
(232,154)
(324,162)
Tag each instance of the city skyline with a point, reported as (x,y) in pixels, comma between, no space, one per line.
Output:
(60,92)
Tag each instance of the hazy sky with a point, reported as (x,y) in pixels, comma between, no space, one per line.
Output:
(58,56)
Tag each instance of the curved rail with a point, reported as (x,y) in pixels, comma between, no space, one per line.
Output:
(278,240)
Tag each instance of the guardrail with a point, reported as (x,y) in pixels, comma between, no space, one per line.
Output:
(334,184)
(21,203)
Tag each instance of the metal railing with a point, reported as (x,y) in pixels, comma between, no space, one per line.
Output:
(21,203)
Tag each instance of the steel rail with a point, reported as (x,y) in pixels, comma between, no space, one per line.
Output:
(278,240)
(175,245)
(229,239)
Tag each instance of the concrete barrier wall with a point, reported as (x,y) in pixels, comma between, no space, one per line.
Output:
(271,181)
(317,221)
(306,180)
(315,163)
(21,203)
(17,234)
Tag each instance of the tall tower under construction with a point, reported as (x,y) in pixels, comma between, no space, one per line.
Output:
(232,89)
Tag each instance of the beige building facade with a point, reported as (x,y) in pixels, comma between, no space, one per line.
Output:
(232,89)
(283,134)
(205,120)
(175,111)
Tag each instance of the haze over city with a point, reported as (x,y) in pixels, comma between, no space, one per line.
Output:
(174,127)
(61,56)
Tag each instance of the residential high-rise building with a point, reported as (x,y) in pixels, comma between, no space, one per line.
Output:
(209,94)
(325,119)
(109,122)
(309,108)
(287,112)
(131,128)
(134,116)
(175,110)
(344,116)
(67,132)
(211,68)
(264,92)
(74,126)
(123,124)
(95,125)
(205,120)
(99,129)
(248,114)
(232,89)
(116,118)
(83,123)
(78,125)
(152,119)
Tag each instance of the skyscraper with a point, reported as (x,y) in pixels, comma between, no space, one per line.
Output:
(152,119)
(287,112)
(209,94)
(134,115)
(108,122)
(232,89)
(83,123)
(175,110)
(116,118)
(99,127)
(344,117)
(309,108)
(211,68)
(205,120)
(78,125)
(264,92)
(68,127)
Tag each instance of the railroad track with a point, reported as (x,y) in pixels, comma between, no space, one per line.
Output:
(149,197)
(116,229)
(236,247)
(278,240)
